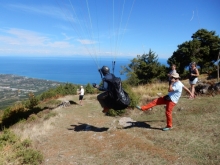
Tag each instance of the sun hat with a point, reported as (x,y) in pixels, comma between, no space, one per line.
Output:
(175,75)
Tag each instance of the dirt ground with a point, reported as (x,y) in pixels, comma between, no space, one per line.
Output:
(83,135)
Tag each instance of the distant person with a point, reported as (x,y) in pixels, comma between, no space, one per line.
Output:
(193,78)
(81,95)
(170,100)
(173,70)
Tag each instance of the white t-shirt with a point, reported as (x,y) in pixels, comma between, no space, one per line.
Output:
(177,91)
(82,91)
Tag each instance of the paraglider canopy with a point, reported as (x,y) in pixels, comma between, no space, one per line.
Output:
(114,15)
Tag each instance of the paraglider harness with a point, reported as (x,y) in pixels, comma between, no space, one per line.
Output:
(116,93)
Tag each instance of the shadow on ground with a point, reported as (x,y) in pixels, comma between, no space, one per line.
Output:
(140,124)
(72,102)
(87,127)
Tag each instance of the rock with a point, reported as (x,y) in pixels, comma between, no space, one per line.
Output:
(125,121)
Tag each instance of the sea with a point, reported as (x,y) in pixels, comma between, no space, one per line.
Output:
(76,70)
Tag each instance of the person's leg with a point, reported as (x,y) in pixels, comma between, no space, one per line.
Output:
(102,98)
(169,107)
(155,102)
(193,89)
(81,98)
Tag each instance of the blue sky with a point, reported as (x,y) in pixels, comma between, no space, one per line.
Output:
(119,28)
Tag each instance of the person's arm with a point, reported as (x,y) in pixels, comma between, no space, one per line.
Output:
(188,91)
(197,72)
(104,86)
(170,89)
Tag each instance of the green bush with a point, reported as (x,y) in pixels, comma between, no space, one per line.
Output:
(89,89)
(32,117)
(62,90)
(29,156)
(7,137)
(113,112)
(33,101)
(19,152)
(133,97)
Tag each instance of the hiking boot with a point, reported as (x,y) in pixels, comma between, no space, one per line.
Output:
(138,107)
(105,110)
(167,128)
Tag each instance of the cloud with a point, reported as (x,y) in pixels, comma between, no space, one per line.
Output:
(19,41)
(15,36)
(52,11)
(86,41)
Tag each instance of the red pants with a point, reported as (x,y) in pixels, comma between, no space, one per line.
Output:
(169,108)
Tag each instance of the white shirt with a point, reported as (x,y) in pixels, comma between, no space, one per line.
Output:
(177,91)
(82,91)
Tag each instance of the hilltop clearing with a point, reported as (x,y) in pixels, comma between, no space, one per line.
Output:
(84,135)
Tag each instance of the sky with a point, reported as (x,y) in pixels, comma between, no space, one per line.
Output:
(106,28)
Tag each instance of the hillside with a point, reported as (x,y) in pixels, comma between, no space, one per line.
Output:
(16,88)
(84,135)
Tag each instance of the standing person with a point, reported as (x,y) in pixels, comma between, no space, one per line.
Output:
(193,77)
(170,100)
(173,70)
(81,94)
(103,98)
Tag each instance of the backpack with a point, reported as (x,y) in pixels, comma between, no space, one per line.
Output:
(116,93)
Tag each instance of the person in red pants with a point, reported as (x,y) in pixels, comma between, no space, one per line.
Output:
(170,100)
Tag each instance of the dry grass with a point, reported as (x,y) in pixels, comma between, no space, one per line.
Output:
(33,130)
(151,89)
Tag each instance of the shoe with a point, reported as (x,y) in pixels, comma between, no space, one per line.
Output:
(105,110)
(138,107)
(167,128)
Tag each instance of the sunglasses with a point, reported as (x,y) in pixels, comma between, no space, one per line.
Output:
(174,78)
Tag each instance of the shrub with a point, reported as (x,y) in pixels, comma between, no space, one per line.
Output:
(29,156)
(89,89)
(32,117)
(49,115)
(113,112)
(33,101)
(7,137)
(133,96)
(61,90)
(18,152)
